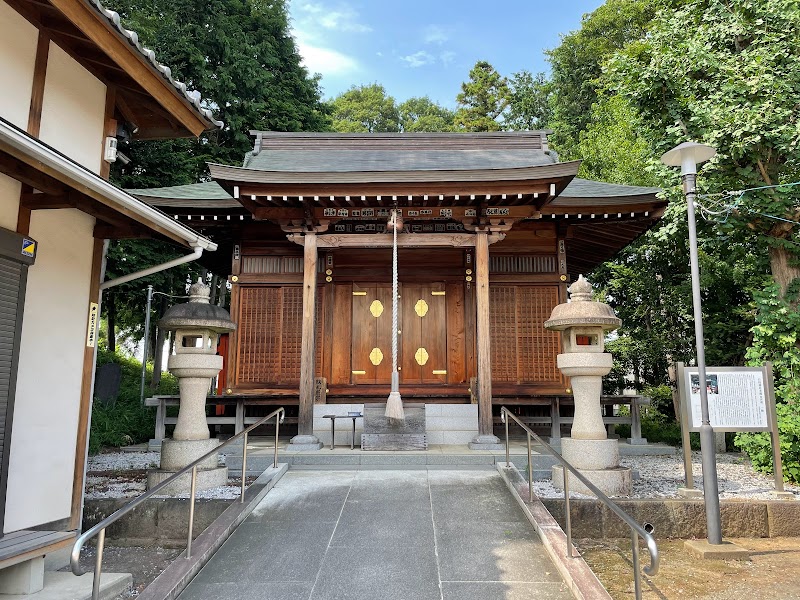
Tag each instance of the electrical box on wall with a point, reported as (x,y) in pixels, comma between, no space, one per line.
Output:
(110,153)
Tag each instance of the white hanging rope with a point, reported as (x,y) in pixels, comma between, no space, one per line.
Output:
(394,302)
(394,404)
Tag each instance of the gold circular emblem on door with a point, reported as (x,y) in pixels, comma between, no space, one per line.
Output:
(376,308)
(376,356)
(421,308)
(421,356)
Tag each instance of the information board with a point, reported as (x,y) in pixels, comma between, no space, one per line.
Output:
(737,399)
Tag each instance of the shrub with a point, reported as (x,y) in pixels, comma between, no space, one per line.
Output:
(759,448)
(126,421)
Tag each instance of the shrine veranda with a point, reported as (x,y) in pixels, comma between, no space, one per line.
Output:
(495,229)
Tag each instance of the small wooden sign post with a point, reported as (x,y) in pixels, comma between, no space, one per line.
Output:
(739,399)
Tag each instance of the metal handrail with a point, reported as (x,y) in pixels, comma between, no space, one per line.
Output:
(636,530)
(100,528)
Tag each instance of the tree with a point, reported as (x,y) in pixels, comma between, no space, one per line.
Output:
(241,56)
(612,148)
(423,114)
(729,75)
(365,109)
(482,99)
(529,102)
(577,63)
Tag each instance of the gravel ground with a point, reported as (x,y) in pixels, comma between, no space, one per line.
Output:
(660,477)
(124,475)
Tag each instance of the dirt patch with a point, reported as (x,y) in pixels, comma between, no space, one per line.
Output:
(144,564)
(773,571)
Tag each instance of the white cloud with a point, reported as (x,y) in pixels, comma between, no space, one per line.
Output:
(326,60)
(418,59)
(447,57)
(434,34)
(342,18)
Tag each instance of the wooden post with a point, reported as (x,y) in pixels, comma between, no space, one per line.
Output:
(305,421)
(485,426)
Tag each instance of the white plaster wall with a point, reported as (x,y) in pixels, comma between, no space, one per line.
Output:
(9,201)
(73,110)
(18,40)
(42,457)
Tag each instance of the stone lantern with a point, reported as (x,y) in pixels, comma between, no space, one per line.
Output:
(197,325)
(583,324)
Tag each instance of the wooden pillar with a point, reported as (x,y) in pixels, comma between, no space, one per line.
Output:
(305,421)
(483,333)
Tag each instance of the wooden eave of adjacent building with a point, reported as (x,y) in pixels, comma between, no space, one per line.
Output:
(145,98)
(54,189)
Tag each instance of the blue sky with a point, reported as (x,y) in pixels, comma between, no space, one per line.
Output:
(427,47)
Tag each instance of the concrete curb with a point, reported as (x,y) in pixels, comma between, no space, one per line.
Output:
(177,576)
(577,575)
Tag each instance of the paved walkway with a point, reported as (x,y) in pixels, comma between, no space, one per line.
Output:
(388,535)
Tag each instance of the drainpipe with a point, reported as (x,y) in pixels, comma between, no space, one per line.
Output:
(198,252)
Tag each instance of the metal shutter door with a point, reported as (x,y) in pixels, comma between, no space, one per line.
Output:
(10,287)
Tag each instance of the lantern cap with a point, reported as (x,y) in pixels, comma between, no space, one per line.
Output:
(582,311)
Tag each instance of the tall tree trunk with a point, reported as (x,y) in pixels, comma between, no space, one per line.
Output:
(783,271)
(158,348)
(111,316)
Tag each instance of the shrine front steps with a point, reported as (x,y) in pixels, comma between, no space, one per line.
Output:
(260,456)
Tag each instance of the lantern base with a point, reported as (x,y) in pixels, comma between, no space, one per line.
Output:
(612,482)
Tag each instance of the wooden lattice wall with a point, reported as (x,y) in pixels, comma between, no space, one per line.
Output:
(523,351)
(269,335)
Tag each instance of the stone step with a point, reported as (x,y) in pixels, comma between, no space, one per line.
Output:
(256,463)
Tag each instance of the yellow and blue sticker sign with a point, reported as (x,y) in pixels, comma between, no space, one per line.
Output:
(28,248)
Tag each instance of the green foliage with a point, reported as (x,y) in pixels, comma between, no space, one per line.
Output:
(482,99)
(423,114)
(125,421)
(759,448)
(529,102)
(365,109)
(727,74)
(577,63)
(241,56)
(611,147)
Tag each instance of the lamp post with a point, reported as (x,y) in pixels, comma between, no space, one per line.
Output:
(687,156)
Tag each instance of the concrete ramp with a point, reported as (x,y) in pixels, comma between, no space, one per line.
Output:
(389,535)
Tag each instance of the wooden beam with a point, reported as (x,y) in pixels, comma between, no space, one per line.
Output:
(457,213)
(305,422)
(32,201)
(385,240)
(37,90)
(87,387)
(109,129)
(355,190)
(485,424)
(93,25)
(29,175)
(47,179)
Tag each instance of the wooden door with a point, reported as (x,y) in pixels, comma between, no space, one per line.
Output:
(371,346)
(424,334)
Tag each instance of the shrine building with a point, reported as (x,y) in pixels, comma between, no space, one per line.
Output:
(494,230)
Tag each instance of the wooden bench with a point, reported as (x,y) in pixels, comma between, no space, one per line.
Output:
(239,420)
(555,420)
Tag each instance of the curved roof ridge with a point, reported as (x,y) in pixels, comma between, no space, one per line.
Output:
(192,96)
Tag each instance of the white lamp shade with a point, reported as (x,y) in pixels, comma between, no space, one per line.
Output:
(687,156)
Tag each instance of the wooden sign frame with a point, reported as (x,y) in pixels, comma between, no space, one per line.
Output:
(684,374)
